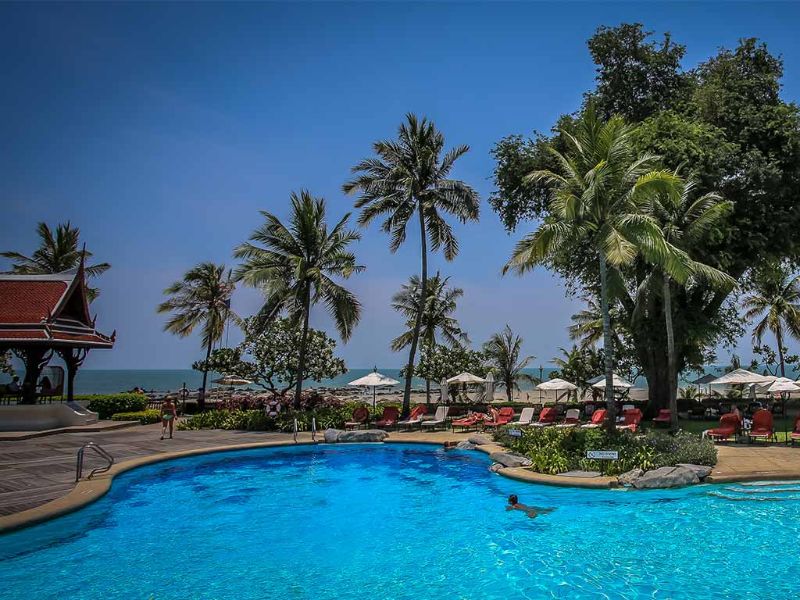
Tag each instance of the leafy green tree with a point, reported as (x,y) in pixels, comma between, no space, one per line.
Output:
(686,220)
(503,350)
(578,365)
(438,362)
(409,177)
(202,298)
(766,359)
(268,358)
(775,305)
(598,199)
(440,304)
(295,265)
(58,251)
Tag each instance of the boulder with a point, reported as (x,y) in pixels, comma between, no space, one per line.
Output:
(331,435)
(479,440)
(465,445)
(702,471)
(629,477)
(666,477)
(510,459)
(367,435)
(495,467)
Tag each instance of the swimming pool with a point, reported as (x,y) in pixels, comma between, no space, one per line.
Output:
(400,521)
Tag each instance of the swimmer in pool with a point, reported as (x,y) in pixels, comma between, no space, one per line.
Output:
(169,412)
(532,511)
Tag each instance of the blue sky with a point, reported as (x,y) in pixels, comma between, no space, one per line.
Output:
(161,130)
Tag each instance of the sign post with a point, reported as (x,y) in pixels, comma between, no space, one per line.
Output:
(602,454)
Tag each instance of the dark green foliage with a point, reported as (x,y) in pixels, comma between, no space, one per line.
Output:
(554,450)
(145,417)
(107,405)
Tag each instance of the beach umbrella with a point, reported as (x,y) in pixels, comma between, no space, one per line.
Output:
(466,378)
(617,382)
(445,391)
(557,384)
(741,377)
(489,388)
(784,386)
(374,380)
(232,380)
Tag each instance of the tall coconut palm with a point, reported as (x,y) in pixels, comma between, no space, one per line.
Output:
(598,198)
(686,221)
(294,265)
(504,353)
(58,251)
(776,302)
(437,319)
(202,298)
(409,176)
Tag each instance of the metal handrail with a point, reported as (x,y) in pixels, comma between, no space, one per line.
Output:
(101,452)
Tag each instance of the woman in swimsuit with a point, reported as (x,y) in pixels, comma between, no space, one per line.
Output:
(531,511)
(169,412)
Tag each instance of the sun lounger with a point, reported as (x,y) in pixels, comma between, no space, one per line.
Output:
(631,420)
(468,422)
(572,418)
(439,419)
(729,425)
(547,417)
(597,419)
(359,418)
(794,436)
(389,418)
(499,418)
(664,417)
(762,428)
(526,417)
(415,418)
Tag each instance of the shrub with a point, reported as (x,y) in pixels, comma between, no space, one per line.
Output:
(107,405)
(555,450)
(145,417)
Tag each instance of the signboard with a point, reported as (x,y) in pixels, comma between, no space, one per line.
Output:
(602,454)
(515,433)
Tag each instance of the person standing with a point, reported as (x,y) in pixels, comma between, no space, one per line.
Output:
(169,413)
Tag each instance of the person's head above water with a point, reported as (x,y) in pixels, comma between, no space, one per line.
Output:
(512,499)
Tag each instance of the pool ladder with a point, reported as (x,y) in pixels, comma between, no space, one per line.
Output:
(101,452)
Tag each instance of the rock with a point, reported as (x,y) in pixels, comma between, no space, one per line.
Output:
(702,471)
(495,467)
(479,440)
(331,435)
(629,477)
(666,477)
(510,459)
(465,445)
(367,435)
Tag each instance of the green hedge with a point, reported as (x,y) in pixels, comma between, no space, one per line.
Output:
(107,405)
(556,450)
(145,417)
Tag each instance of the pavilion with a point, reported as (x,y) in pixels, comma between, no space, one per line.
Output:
(41,315)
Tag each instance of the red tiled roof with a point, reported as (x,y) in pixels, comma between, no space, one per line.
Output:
(29,301)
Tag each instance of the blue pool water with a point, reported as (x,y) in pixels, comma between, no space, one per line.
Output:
(400,521)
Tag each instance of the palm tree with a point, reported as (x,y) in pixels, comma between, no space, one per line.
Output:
(410,176)
(440,304)
(202,298)
(686,221)
(56,253)
(294,265)
(776,301)
(503,351)
(587,324)
(598,198)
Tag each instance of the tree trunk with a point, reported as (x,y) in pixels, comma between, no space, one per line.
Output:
(509,390)
(608,349)
(418,321)
(35,360)
(671,371)
(201,398)
(779,339)
(427,391)
(301,361)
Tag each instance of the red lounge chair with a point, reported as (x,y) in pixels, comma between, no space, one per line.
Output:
(501,417)
(664,417)
(762,426)
(632,419)
(597,419)
(415,418)
(547,417)
(468,422)
(389,418)
(794,436)
(729,425)
(360,417)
